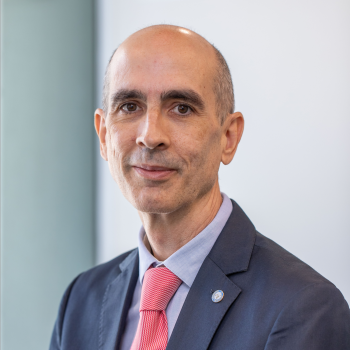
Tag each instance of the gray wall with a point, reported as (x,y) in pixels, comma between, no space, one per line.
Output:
(47,162)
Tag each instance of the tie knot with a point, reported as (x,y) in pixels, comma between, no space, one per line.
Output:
(159,285)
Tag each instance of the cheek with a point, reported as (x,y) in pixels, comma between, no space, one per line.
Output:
(119,144)
(201,149)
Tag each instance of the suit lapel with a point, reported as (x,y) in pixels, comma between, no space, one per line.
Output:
(231,253)
(116,302)
(200,316)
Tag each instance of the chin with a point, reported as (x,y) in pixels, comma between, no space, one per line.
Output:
(156,202)
(154,209)
(152,206)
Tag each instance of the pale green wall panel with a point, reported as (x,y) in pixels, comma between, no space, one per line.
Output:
(47,161)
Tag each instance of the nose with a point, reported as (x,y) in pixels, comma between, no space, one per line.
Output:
(152,132)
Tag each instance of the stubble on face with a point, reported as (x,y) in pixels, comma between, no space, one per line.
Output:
(193,150)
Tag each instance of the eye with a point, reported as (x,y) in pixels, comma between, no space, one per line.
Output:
(129,107)
(182,109)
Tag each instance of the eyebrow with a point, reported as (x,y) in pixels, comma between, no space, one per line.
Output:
(124,94)
(185,95)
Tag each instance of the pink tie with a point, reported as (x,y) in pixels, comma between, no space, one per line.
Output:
(159,285)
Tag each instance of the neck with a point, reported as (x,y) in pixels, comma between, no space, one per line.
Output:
(167,233)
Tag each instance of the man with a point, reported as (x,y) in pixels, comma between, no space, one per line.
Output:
(202,276)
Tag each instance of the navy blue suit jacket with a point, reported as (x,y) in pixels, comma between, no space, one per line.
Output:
(272,300)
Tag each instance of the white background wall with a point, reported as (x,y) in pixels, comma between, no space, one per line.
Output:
(290,64)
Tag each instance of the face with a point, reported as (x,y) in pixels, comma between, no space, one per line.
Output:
(162,137)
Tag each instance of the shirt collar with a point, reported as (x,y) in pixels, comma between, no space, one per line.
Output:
(186,262)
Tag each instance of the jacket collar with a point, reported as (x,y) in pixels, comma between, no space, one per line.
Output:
(233,249)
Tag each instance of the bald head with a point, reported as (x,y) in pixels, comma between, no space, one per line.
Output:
(159,40)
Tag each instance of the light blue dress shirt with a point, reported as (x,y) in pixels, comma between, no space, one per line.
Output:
(184,263)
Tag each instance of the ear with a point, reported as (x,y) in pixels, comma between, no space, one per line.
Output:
(100,126)
(233,130)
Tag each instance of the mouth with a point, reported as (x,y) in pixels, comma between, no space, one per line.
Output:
(153,172)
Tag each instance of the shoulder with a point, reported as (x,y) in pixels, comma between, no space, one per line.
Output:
(102,274)
(293,305)
(288,280)
(302,302)
(91,284)
(281,266)
(83,298)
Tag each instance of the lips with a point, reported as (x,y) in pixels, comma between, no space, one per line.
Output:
(152,172)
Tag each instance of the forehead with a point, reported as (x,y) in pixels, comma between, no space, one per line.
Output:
(163,63)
